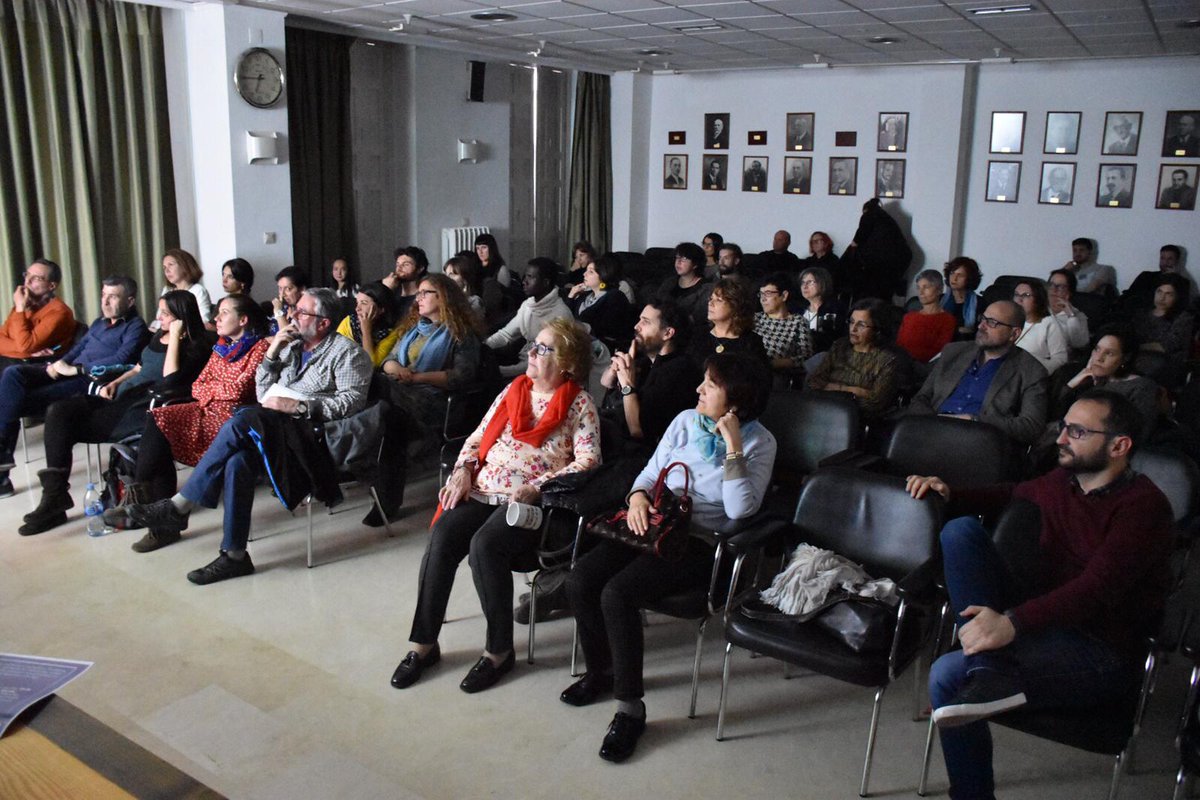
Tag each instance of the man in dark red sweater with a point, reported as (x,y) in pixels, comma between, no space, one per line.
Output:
(1072,640)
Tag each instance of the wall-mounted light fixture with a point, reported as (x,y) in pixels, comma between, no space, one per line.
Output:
(262,148)
(469,151)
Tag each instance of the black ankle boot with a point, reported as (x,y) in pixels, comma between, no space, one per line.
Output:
(52,510)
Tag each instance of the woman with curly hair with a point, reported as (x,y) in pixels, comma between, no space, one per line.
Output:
(963,277)
(730,324)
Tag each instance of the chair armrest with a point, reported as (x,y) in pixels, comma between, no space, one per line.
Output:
(921,584)
(161,396)
(759,530)
(854,459)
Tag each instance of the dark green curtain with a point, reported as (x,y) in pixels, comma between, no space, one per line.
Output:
(589,214)
(319,149)
(85,151)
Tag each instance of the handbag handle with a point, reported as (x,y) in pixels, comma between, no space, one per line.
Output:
(661,483)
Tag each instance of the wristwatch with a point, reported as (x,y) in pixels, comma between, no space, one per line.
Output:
(628,390)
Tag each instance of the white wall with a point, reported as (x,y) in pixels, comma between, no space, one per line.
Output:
(449,194)
(226,204)
(842,99)
(1029,238)
(949,124)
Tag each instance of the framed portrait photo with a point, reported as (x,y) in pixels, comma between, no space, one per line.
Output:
(800,131)
(715,175)
(797,175)
(889,177)
(1057,187)
(1008,131)
(1003,181)
(1062,133)
(1177,187)
(716,131)
(893,132)
(754,173)
(843,176)
(1115,189)
(675,171)
(1181,137)
(1121,131)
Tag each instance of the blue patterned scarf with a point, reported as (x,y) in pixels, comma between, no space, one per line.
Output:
(434,353)
(232,349)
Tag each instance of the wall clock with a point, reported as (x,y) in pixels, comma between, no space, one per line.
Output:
(259,78)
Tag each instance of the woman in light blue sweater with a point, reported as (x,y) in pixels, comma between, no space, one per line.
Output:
(730,457)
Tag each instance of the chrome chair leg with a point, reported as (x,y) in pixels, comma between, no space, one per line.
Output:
(532,617)
(387,526)
(925,760)
(696,668)
(724,694)
(1181,785)
(866,776)
(575,650)
(308,501)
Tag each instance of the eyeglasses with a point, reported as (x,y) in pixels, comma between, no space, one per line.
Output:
(1022,295)
(426,292)
(764,293)
(994,323)
(808,282)
(301,313)
(540,350)
(859,325)
(1059,287)
(1079,432)
(34,277)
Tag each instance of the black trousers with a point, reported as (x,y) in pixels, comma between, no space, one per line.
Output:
(155,462)
(82,419)
(477,530)
(608,588)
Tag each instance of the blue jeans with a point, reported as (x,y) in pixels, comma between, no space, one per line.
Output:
(1054,667)
(26,390)
(229,469)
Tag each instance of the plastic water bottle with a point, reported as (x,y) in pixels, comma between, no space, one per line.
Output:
(93,509)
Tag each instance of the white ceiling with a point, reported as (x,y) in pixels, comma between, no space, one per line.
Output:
(757,34)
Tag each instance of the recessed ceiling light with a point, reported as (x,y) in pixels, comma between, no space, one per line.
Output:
(883,40)
(983,12)
(494,16)
(706,26)
(652,53)
(1188,23)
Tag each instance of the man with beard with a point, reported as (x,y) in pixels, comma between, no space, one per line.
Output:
(989,380)
(1072,636)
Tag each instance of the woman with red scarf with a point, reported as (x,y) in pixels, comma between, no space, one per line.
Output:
(542,425)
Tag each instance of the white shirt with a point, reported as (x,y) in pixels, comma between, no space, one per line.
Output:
(1075,326)
(532,316)
(1046,341)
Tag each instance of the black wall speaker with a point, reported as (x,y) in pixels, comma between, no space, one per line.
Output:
(475,92)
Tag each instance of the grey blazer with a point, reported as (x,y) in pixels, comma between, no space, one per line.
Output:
(1016,401)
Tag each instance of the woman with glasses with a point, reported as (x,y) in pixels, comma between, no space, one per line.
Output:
(820,248)
(183,272)
(183,432)
(730,326)
(824,315)
(1042,336)
(542,425)
(373,322)
(963,277)
(729,455)
(784,335)
(437,351)
(687,287)
(924,333)
(172,359)
(858,364)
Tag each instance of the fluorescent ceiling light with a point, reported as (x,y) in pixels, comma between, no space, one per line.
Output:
(1001,10)
(705,26)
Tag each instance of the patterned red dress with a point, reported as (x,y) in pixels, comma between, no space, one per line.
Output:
(222,386)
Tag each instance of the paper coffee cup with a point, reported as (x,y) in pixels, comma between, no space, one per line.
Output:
(523,515)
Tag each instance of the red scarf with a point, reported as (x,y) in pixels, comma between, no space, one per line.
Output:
(518,408)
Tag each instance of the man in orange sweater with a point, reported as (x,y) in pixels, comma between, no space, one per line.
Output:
(40,324)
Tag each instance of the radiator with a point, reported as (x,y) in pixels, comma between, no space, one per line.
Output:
(456,239)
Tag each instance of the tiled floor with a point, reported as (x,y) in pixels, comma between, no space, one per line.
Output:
(276,685)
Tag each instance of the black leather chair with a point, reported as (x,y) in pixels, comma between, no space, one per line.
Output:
(1110,729)
(960,452)
(870,519)
(1097,307)
(809,427)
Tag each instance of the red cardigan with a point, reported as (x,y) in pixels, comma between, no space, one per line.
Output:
(924,335)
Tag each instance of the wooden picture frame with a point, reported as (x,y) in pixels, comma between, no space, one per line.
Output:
(1122,133)
(797,175)
(1007,133)
(1114,185)
(754,174)
(893,132)
(843,175)
(1003,182)
(889,178)
(675,179)
(1174,195)
(718,181)
(1061,137)
(801,132)
(716,131)
(1057,185)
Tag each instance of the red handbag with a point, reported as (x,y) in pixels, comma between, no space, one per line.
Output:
(668,531)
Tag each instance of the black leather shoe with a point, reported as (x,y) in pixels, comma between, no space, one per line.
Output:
(6,487)
(42,523)
(413,665)
(587,689)
(485,674)
(222,569)
(160,514)
(622,737)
